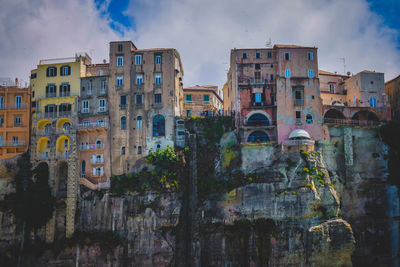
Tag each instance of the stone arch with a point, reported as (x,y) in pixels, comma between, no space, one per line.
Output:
(42,145)
(365,115)
(267,115)
(258,137)
(62,121)
(61,146)
(42,124)
(333,114)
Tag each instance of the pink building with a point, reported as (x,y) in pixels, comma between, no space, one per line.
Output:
(274,91)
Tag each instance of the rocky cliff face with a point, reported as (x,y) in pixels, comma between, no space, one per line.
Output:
(319,208)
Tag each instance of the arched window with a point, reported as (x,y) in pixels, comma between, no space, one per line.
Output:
(66,127)
(158,125)
(65,143)
(83,168)
(258,137)
(139,123)
(372,102)
(123,123)
(99,144)
(258,120)
(309,119)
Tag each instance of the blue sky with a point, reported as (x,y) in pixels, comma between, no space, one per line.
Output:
(366,33)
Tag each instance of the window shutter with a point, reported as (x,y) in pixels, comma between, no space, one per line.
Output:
(47,88)
(101,171)
(94,171)
(102,158)
(69,70)
(93,158)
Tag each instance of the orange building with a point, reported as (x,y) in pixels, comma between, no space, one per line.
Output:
(14,120)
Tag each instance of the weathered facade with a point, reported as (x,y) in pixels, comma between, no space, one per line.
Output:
(145,96)
(14,120)
(202,101)
(392,89)
(93,127)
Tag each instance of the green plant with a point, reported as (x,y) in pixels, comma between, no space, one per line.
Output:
(294,193)
(306,170)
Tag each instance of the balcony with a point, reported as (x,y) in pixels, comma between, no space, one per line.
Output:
(64,94)
(93,125)
(55,114)
(87,147)
(299,142)
(349,122)
(157,85)
(14,106)
(63,155)
(189,102)
(11,143)
(97,160)
(45,131)
(138,87)
(258,81)
(53,94)
(206,103)
(298,102)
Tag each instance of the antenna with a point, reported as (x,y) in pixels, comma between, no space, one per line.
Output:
(269,43)
(344,65)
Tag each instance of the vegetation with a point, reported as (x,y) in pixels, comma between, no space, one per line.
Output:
(166,176)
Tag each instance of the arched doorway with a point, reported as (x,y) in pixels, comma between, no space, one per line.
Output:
(365,118)
(258,137)
(257,120)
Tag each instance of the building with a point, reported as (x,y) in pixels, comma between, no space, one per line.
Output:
(56,87)
(274,91)
(202,101)
(14,120)
(145,97)
(358,100)
(93,126)
(392,89)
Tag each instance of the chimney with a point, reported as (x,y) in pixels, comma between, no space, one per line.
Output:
(16,81)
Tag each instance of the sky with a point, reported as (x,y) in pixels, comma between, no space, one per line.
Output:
(364,32)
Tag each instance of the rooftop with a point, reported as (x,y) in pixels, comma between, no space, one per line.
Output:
(323,72)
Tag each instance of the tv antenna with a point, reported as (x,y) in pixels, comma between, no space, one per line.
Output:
(344,64)
(269,43)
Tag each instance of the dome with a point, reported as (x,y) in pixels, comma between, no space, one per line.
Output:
(299,134)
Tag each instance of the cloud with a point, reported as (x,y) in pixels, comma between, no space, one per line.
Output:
(31,30)
(205,31)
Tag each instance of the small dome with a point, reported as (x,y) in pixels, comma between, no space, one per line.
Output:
(299,134)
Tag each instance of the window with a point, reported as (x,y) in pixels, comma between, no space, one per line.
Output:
(158,125)
(120,47)
(15,140)
(310,73)
(188,99)
(287,56)
(138,59)
(122,150)
(51,90)
(372,102)
(188,113)
(102,105)
(103,87)
(120,80)
(65,143)
(123,123)
(298,96)
(99,144)
(51,71)
(101,122)
(139,150)
(244,55)
(287,73)
(269,55)
(85,106)
(65,90)
(1,120)
(139,79)
(100,73)
(309,119)
(158,78)
(206,99)
(17,121)
(120,61)
(139,123)
(86,123)
(157,98)
(257,66)
(48,144)
(65,70)
(1,102)
(258,55)
(90,86)
(257,75)
(257,97)
(310,55)
(123,100)
(332,88)
(139,99)
(1,140)
(298,116)
(33,76)
(158,60)
(18,101)
(83,168)
(271,77)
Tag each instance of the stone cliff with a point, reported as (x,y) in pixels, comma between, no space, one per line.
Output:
(331,207)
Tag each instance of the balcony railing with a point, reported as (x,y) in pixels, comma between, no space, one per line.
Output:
(63,94)
(138,87)
(157,85)
(188,102)
(346,122)
(55,114)
(257,81)
(93,125)
(91,147)
(14,106)
(97,160)
(54,94)
(260,123)
(11,143)
(298,102)
(298,142)
(63,155)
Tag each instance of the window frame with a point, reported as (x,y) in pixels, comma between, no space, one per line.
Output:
(120,61)
(139,59)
